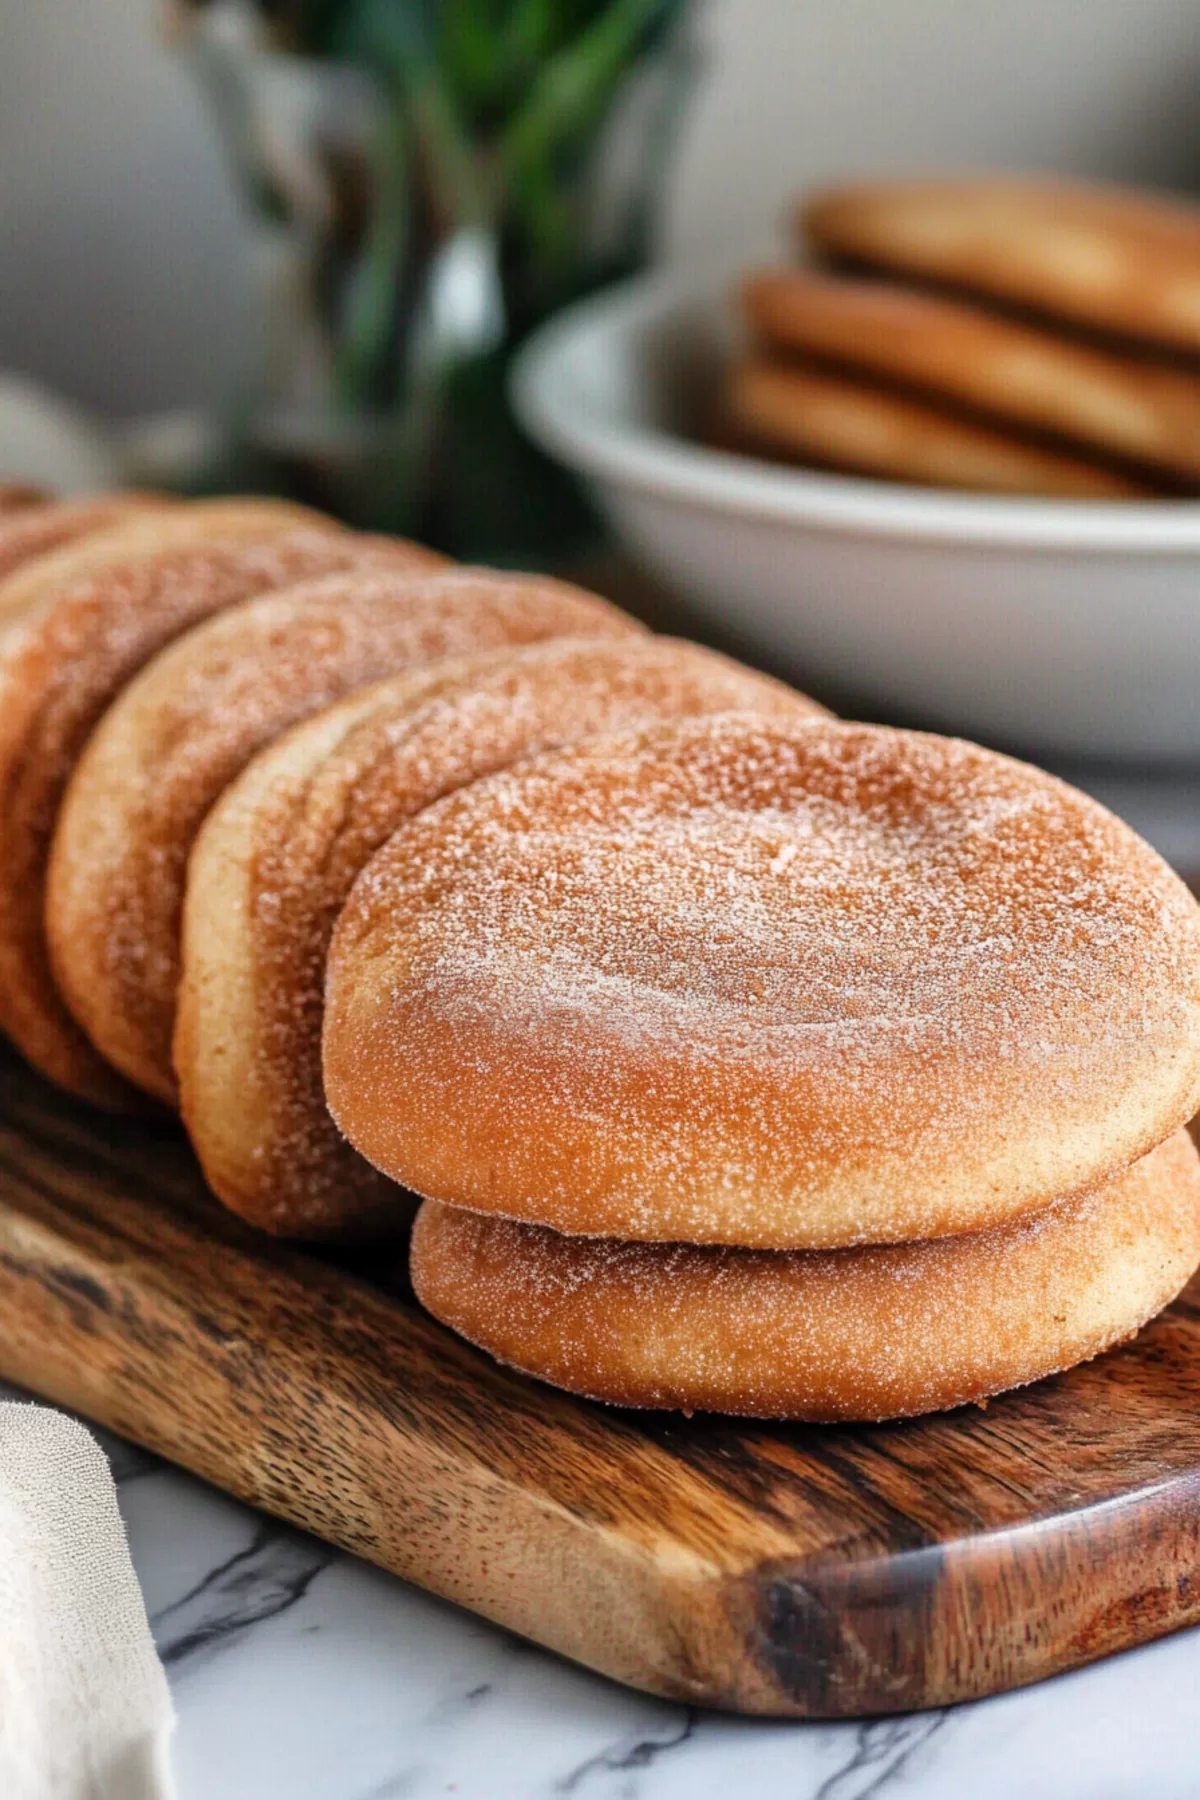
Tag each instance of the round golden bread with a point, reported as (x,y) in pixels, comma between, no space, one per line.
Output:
(91,617)
(280,851)
(188,724)
(1110,258)
(750,981)
(1007,371)
(881,1332)
(784,408)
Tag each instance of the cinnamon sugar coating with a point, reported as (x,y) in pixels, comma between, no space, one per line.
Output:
(80,624)
(741,981)
(188,724)
(128,527)
(281,849)
(881,1332)
(21,496)
(35,529)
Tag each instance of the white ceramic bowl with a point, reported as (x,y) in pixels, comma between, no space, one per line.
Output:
(1063,626)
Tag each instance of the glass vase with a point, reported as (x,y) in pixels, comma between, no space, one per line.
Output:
(428,184)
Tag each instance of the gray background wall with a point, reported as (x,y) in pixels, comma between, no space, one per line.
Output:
(122,273)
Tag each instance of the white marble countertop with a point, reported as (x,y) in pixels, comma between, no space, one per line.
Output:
(300,1674)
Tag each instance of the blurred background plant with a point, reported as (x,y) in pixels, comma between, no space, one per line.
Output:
(432,179)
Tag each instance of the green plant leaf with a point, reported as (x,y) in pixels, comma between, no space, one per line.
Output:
(573,91)
(369,319)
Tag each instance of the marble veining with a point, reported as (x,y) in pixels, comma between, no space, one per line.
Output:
(301,1674)
(273,1572)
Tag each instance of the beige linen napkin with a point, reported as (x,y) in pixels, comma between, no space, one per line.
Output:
(85,1713)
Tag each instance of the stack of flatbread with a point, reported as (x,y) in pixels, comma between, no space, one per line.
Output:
(1025,336)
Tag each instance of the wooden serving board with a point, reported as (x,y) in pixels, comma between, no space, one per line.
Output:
(817,1573)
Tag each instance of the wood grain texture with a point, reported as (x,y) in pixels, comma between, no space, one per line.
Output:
(785,1571)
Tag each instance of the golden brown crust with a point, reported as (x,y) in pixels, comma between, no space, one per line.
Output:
(278,855)
(1106,257)
(89,619)
(20,496)
(874,1333)
(188,724)
(151,528)
(1009,371)
(813,415)
(32,531)
(746,982)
